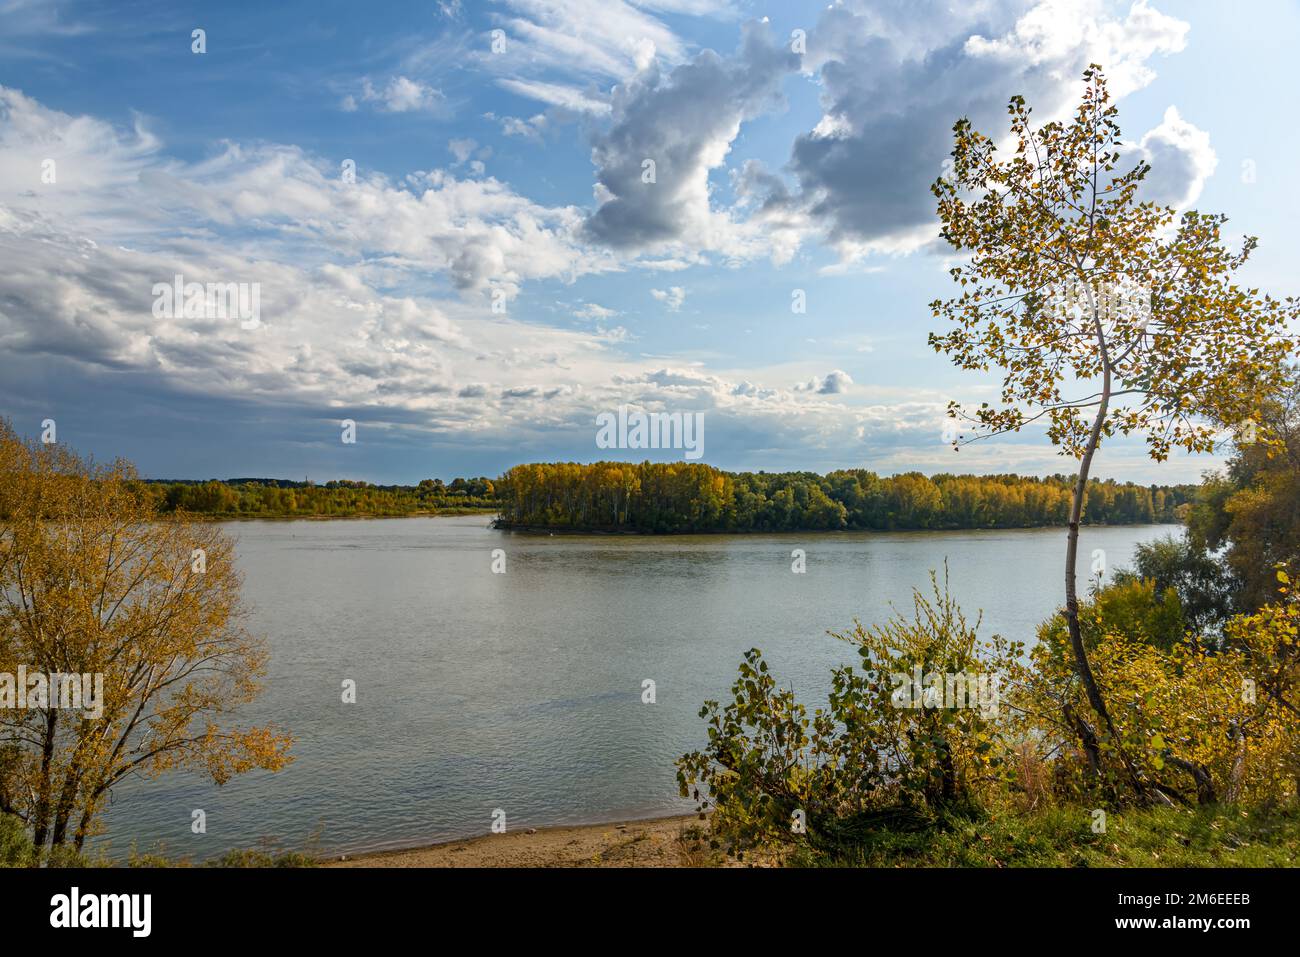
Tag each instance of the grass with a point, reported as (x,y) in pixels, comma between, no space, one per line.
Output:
(1063,837)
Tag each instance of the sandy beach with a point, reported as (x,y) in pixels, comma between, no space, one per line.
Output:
(679,841)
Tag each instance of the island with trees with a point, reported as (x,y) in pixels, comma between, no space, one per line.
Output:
(678,497)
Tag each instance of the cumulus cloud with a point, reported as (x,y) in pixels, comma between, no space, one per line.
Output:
(894,77)
(892,87)
(348,324)
(360,278)
(669,131)
(834,382)
(400,95)
(673,297)
(94,166)
(1181,159)
(593,310)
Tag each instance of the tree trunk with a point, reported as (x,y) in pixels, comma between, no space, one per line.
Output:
(41,816)
(1087,737)
(83,827)
(63,811)
(1081,665)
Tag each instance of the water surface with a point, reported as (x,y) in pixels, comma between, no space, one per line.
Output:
(522,691)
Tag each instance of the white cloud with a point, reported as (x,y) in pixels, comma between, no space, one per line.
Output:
(400,95)
(597,38)
(835,382)
(593,310)
(344,320)
(673,297)
(556,94)
(894,82)
(1181,159)
(683,123)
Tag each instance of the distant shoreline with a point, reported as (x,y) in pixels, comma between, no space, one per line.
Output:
(503,526)
(354,516)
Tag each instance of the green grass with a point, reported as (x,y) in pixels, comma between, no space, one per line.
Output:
(1063,837)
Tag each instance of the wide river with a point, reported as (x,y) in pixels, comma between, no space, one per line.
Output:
(522,691)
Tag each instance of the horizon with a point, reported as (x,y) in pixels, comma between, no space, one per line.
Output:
(467,476)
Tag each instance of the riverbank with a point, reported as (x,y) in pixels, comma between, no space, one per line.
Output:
(1049,837)
(339,516)
(678,841)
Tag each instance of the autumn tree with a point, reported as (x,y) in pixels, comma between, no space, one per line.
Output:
(93,583)
(1252,511)
(1105,312)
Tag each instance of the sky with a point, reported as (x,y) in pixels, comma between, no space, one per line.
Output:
(444,212)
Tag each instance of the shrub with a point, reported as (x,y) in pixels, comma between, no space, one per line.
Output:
(15,843)
(1202,723)
(886,740)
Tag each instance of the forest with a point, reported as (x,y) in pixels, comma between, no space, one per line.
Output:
(277,498)
(693,497)
(689,497)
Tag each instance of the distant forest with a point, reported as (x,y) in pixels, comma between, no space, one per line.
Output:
(692,497)
(277,498)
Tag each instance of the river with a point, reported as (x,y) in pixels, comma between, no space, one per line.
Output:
(522,691)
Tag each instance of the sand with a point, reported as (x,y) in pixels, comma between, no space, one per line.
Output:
(660,842)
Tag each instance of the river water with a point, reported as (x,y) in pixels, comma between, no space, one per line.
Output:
(522,691)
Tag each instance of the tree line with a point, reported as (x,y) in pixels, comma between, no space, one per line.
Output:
(693,497)
(277,498)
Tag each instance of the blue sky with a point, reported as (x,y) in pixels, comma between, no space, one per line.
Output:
(513,175)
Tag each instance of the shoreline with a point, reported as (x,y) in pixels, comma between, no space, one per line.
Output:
(501,526)
(354,517)
(672,841)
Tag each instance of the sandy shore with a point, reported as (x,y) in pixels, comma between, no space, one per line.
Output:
(659,842)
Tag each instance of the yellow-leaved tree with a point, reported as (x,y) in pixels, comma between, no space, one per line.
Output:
(93,583)
(1104,313)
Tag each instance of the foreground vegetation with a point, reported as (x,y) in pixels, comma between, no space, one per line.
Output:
(895,772)
(17,850)
(1155,721)
(93,585)
(1054,836)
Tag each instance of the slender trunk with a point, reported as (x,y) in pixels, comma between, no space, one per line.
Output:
(41,815)
(83,825)
(63,811)
(1205,793)
(1081,664)
(1087,737)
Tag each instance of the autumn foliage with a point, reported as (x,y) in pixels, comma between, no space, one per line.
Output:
(694,497)
(91,582)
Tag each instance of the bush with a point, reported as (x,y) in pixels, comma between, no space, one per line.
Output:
(1203,586)
(260,858)
(1203,724)
(1132,607)
(908,730)
(15,843)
